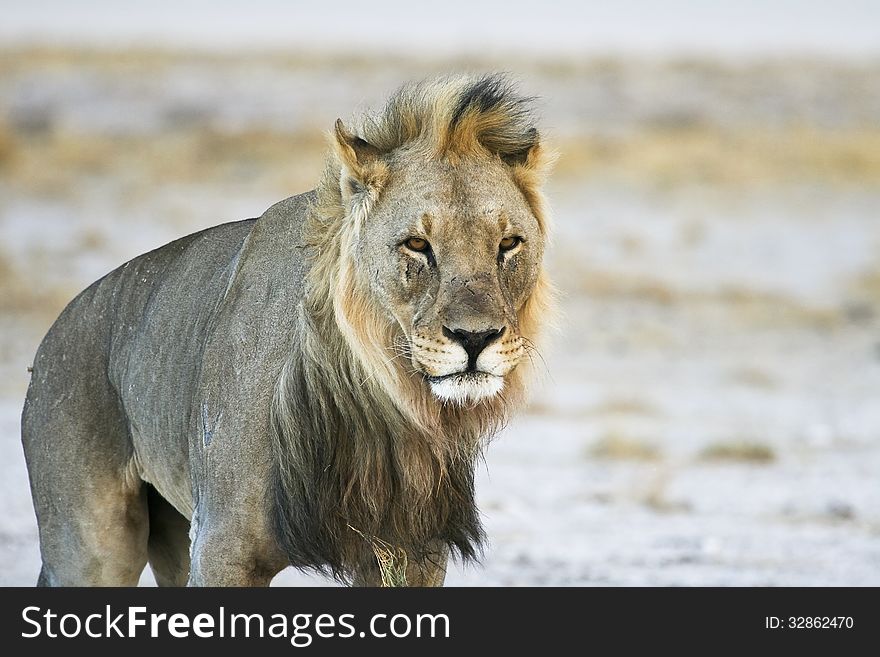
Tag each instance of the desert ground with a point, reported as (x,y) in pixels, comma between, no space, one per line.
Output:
(708,412)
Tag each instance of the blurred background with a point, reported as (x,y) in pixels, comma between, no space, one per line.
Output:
(709,415)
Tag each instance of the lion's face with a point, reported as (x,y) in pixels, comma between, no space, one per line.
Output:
(453,253)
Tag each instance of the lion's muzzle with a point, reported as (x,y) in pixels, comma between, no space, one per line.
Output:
(473,342)
(465,366)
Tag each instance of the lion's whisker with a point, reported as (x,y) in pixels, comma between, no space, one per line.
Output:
(530,349)
(373,374)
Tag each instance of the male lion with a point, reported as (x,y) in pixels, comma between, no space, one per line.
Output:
(310,388)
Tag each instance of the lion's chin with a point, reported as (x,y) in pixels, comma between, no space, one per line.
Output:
(466,387)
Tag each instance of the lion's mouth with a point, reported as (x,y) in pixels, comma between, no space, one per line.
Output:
(462,387)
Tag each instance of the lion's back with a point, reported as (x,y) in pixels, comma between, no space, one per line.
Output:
(122,355)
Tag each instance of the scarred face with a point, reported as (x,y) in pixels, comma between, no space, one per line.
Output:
(454,251)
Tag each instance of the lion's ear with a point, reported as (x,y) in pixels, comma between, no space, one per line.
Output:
(354,151)
(515,152)
(363,172)
(526,151)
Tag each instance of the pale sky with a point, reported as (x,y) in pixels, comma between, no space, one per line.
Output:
(836,27)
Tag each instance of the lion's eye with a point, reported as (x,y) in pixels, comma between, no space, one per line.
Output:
(417,244)
(509,243)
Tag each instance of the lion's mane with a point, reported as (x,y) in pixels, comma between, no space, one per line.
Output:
(362,451)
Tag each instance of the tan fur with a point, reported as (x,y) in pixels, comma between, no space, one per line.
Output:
(419,117)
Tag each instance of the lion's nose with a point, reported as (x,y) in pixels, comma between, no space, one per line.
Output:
(473,341)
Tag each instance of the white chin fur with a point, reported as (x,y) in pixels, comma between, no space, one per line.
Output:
(465,388)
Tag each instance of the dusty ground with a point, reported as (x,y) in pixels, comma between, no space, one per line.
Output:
(709,414)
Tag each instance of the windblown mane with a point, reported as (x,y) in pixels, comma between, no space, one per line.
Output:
(362,451)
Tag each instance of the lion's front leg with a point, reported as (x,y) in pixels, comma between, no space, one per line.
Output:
(222,559)
(227,550)
(430,571)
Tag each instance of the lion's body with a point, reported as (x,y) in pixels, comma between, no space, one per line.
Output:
(116,382)
(214,407)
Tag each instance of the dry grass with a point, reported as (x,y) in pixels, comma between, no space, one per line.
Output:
(654,494)
(743,451)
(541,408)
(91,239)
(867,286)
(23,297)
(392,560)
(769,309)
(604,284)
(757,308)
(709,154)
(666,146)
(54,164)
(8,147)
(625,406)
(151,60)
(754,377)
(706,157)
(618,446)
